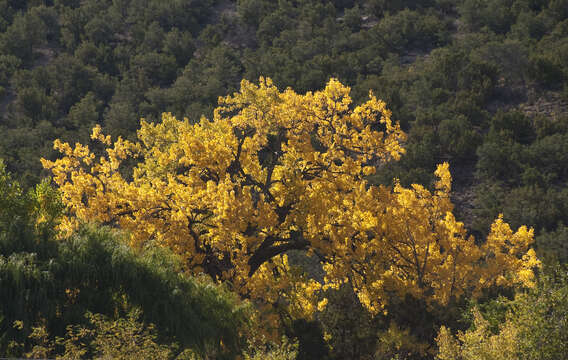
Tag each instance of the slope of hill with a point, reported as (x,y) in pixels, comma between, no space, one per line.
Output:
(482,84)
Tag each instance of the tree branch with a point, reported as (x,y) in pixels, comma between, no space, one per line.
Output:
(265,253)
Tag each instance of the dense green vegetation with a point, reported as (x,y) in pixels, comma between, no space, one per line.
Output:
(482,84)
(531,326)
(54,283)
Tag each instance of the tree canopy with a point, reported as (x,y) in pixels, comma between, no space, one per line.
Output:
(279,171)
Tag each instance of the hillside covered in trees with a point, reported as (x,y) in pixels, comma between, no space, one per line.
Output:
(282,218)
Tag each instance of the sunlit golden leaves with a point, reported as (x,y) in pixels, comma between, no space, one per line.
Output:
(278,171)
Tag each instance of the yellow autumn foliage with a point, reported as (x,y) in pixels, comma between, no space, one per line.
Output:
(480,343)
(278,171)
